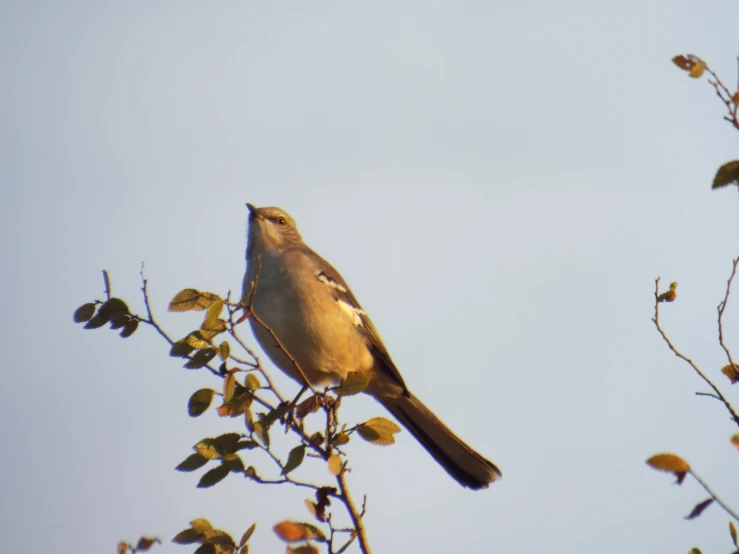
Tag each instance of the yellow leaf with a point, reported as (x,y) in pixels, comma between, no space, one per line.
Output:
(668,462)
(247,535)
(735,441)
(224,350)
(252,382)
(698,69)
(229,386)
(184,300)
(214,311)
(354,383)
(199,402)
(196,341)
(334,464)
(732,530)
(378,430)
(732,372)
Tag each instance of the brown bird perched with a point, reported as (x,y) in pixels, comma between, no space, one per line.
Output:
(311,310)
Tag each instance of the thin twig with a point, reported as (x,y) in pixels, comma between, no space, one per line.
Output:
(353,513)
(710,394)
(680,355)
(713,495)
(106,280)
(721,308)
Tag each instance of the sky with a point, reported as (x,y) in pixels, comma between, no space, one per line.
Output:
(499,182)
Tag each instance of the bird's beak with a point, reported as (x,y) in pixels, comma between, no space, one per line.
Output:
(252,209)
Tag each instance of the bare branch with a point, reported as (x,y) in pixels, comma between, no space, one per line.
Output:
(721,308)
(680,355)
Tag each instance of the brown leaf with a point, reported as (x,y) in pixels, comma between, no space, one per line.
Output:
(122,547)
(735,98)
(698,510)
(84,312)
(308,406)
(145,543)
(201,358)
(668,462)
(221,538)
(206,548)
(732,530)
(695,551)
(727,174)
(683,63)
(129,328)
(302,549)
(291,531)
(732,372)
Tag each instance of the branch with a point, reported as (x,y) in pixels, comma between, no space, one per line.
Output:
(353,513)
(680,355)
(715,498)
(721,308)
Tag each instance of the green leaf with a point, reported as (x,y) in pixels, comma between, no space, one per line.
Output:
(354,383)
(188,536)
(129,328)
(215,475)
(227,442)
(201,358)
(192,462)
(213,312)
(229,386)
(84,312)
(224,350)
(247,535)
(378,430)
(252,382)
(210,329)
(334,464)
(727,174)
(199,402)
(262,432)
(184,301)
(294,459)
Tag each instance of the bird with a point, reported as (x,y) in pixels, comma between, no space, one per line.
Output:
(317,320)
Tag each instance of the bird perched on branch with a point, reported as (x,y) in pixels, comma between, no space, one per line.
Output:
(309,307)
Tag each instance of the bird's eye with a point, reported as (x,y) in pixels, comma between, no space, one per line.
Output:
(281,221)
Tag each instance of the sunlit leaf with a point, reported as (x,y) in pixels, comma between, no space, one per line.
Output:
(202,526)
(207,449)
(302,549)
(215,475)
(192,462)
(698,69)
(84,312)
(334,464)
(247,535)
(199,402)
(252,382)
(354,383)
(668,462)
(196,340)
(341,438)
(122,547)
(732,372)
(727,174)
(294,459)
(378,430)
(224,350)
(229,386)
(188,536)
(291,531)
(214,311)
(732,530)
(695,551)
(210,329)
(184,300)
(698,509)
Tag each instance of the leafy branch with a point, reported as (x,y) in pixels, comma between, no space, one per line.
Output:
(248,391)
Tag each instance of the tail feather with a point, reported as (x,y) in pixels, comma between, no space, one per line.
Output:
(459,460)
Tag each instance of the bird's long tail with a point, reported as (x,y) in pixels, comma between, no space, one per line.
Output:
(460,461)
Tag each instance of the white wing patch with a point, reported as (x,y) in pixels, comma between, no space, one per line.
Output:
(333,284)
(354,313)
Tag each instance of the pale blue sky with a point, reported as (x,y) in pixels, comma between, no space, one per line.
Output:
(500,183)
